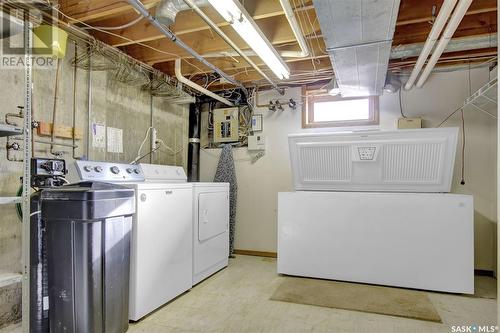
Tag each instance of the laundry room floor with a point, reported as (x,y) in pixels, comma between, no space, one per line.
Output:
(237,299)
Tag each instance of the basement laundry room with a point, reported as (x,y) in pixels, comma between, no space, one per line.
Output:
(248,166)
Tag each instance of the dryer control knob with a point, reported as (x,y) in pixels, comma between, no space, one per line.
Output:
(115,170)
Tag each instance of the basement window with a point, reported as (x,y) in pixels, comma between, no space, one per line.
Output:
(335,111)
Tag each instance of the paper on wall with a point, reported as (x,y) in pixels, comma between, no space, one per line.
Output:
(115,140)
(98,135)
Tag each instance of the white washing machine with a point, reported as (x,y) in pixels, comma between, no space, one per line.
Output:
(161,258)
(210,229)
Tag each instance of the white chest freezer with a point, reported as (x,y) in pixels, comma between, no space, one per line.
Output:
(412,240)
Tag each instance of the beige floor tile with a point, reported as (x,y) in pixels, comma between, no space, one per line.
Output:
(236,300)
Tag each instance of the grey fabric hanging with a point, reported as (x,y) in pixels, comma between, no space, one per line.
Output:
(226,173)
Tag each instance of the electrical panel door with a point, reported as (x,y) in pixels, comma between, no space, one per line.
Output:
(226,125)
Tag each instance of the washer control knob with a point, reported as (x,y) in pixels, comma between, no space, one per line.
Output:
(87,168)
(130,170)
(115,170)
(98,169)
(136,171)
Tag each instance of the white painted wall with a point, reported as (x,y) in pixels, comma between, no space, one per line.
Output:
(259,183)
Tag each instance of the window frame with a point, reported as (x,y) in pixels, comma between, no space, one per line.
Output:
(308,112)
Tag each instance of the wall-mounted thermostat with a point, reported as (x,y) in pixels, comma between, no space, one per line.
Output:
(256,142)
(226,125)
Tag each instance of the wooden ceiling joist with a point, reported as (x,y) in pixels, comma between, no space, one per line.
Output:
(474,24)
(92,10)
(420,11)
(186,22)
(277,31)
(413,26)
(238,63)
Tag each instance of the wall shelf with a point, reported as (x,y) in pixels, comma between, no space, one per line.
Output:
(10,200)
(7,279)
(485,99)
(9,130)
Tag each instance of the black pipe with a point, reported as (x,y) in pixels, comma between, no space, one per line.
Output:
(194,142)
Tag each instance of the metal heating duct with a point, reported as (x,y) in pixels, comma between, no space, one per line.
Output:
(358,36)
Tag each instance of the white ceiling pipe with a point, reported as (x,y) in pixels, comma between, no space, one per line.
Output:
(292,20)
(450,29)
(437,27)
(182,79)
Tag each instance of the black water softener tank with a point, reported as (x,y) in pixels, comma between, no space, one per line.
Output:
(39,294)
(87,228)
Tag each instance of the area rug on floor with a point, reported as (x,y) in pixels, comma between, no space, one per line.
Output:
(357,297)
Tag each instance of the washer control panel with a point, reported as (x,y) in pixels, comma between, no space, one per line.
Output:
(108,171)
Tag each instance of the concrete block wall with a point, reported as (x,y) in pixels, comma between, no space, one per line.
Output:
(113,104)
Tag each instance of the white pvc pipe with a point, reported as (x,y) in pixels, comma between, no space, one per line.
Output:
(439,23)
(452,26)
(290,15)
(182,79)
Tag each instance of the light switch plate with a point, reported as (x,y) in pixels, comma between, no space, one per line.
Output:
(256,142)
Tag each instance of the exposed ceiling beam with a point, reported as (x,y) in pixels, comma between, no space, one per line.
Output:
(298,70)
(317,48)
(186,22)
(474,24)
(276,30)
(455,44)
(420,11)
(473,38)
(91,10)
(253,78)
(406,52)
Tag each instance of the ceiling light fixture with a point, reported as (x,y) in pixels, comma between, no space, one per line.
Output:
(236,15)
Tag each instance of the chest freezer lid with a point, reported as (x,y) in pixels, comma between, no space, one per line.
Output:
(413,160)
